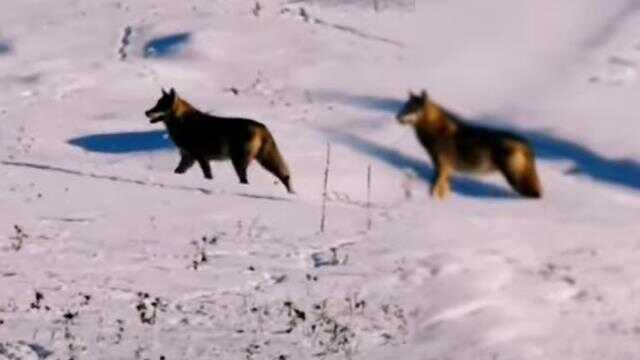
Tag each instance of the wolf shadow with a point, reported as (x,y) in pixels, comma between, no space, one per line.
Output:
(124,142)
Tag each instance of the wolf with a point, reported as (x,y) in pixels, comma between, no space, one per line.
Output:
(454,145)
(202,137)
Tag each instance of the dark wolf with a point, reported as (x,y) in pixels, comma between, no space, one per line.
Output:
(202,137)
(454,145)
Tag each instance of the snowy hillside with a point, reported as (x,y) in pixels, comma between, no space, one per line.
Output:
(106,254)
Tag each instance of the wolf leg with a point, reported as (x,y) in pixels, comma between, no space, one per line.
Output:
(240,164)
(186,162)
(441,186)
(206,168)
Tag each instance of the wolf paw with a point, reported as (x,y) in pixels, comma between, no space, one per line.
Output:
(441,190)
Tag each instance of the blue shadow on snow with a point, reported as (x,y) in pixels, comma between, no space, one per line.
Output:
(371,102)
(622,172)
(4,48)
(166,46)
(124,142)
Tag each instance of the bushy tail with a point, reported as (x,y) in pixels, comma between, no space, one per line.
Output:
(518,166)
(270,158)
(529,184)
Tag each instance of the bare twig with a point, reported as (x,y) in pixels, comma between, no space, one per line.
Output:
(324,191)
(368,206)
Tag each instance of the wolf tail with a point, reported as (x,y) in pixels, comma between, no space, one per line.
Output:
(518,166)
(270,158)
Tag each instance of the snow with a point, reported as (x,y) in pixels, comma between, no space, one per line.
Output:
(132,261)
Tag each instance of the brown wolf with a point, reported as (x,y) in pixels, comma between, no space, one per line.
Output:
(456,146)
(202,137)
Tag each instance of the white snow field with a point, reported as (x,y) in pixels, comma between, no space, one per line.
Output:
(105,253)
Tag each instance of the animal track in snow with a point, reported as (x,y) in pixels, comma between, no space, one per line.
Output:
(618,71)
(304,15)
(620,66)
(23,350)
(460,311)
(425,269)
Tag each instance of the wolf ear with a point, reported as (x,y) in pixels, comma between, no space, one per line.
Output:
(172,92)
(164,92)
(424,96)
(411,95)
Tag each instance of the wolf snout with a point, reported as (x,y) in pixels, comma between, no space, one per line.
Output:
(154,117)
(401,118)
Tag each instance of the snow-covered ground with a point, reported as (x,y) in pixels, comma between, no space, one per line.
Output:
(106,254)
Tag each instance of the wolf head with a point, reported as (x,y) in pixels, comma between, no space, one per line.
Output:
(413,110)
(163,108)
